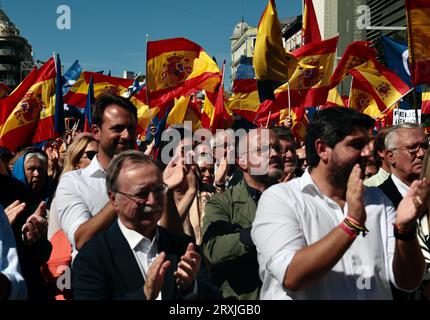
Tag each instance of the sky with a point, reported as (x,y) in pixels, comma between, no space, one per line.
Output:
(111,35)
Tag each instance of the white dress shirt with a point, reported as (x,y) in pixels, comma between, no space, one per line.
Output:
(401,186)
(9,264)
(145,251)
(80,195)
(294,215)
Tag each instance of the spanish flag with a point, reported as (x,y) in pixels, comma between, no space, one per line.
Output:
(425,103)
(334,99)
(245,99)
(418,19)
(273,65)
(356,54)
(311,31)
(310,83)
(382,83)
(178,67)
(32,119)
(362,100)
(177,114)
(77,95)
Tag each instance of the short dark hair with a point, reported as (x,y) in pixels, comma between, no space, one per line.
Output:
(117,162)
(332,126)
(283,133)
(108,99)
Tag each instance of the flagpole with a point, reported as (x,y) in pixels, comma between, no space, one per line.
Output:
(147,89)
(268,119)
(388,108)
(350,91)
(289,98)
(412,61)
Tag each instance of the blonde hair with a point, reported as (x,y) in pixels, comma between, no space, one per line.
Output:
(75,152)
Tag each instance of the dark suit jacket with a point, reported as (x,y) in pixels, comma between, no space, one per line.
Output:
(391,191)
(106,268)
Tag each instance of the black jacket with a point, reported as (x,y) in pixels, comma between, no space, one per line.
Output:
(106,268)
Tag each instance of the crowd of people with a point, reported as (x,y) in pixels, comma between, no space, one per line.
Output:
(342,215)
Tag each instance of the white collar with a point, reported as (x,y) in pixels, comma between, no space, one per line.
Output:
(400,185)
(134,238)
(95,169)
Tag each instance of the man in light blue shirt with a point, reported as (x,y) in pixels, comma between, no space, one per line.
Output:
(12,284)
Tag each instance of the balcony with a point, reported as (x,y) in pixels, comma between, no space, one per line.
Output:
(8,67)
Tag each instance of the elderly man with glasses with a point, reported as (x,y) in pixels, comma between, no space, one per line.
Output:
(136,258)
(405,147)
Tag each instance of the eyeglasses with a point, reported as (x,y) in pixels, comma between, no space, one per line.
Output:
(413,149)
(90,154)
(143,196)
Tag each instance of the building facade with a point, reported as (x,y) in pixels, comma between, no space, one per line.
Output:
(15,53)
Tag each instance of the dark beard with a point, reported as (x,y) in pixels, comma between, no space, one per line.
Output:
(267,180)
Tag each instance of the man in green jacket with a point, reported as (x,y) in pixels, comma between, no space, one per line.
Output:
(227,243)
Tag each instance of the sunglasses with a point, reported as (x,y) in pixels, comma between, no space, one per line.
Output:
(90,154)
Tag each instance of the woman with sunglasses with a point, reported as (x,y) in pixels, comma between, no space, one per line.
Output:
(78,156)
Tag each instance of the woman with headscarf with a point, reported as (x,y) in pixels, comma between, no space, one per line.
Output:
(30,226)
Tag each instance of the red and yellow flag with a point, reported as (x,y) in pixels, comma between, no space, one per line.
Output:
(311,31)
(418,19)
(77,95)
(384,85)
(425,103)
(32,119)
(310,83)
(271,61)
(334,99)
(355,54)
(178,67)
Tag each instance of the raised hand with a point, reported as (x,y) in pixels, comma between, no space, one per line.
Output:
(354,196)
(175,172)
(36,225)
(188,268)
(413,204)
(155,278)
(14,210)
(224,166)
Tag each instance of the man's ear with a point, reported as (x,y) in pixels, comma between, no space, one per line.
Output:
(389,155)
(322,150)
(112,199)
(95,130)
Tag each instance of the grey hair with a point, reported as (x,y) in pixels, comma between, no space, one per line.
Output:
(38,155)
(390,139)
(117,163)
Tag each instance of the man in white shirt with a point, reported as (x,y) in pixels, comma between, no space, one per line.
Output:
(12,284)
(135,258)
(306,231)
(83,206)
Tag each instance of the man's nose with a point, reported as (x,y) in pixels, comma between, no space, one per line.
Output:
(365,152)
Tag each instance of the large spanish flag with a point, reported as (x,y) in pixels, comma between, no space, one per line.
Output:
(178,67)
(418,19)
(32,119)
(357,53)
(382,83)
(273,65)
(310,83)
(311,31)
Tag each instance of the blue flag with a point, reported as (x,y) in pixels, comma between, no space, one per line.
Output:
(90,102)
(396,55)
(59,125)
(245,70)
(70,76)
